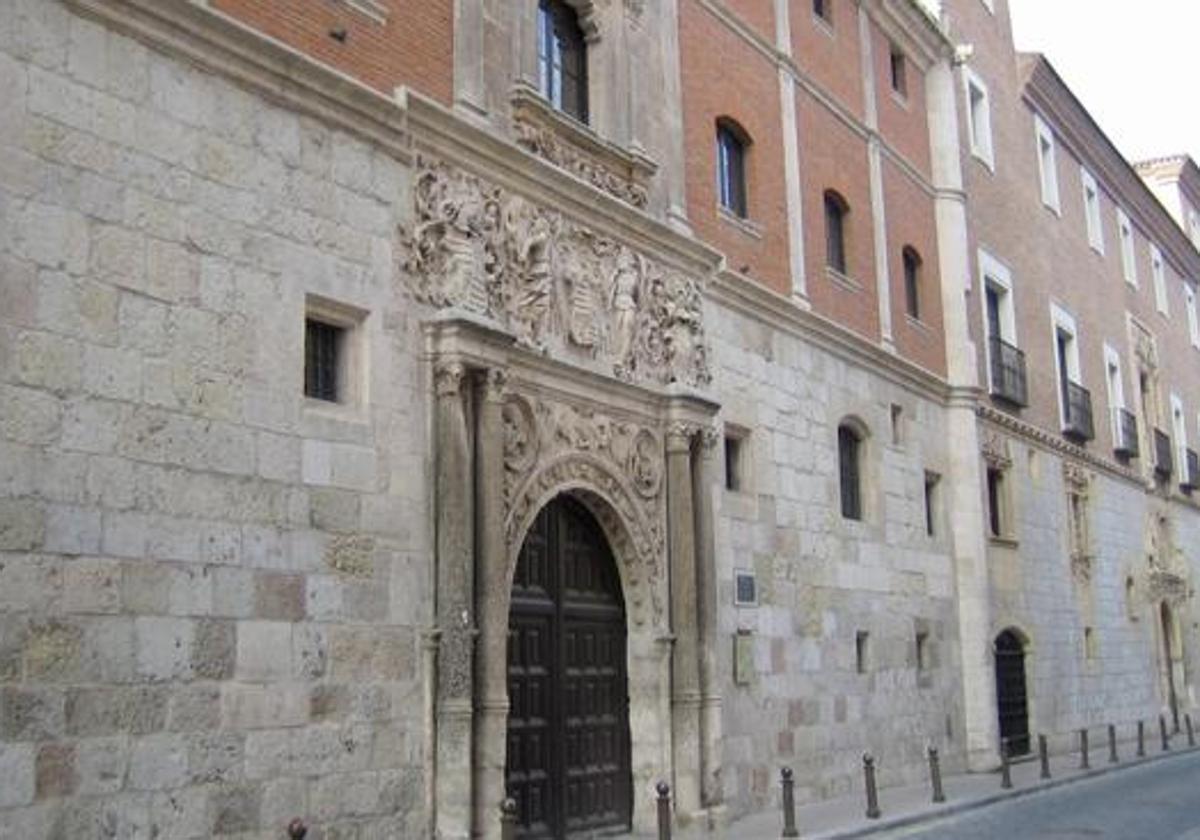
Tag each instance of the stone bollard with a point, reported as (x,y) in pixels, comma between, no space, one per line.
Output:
(935,775)
(789,803)
(296,829)
(1005,770)
(508,819)
(873,812)
(664,810)
(1083,749)
(1044,756)
(1141,752)
(1162,729)
(1112,744)
(1187,719)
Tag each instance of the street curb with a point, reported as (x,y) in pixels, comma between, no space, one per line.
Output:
(950,810)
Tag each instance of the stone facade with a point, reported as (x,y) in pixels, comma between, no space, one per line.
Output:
(224,604)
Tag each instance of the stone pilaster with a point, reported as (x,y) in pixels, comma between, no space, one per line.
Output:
(455,603)
(791,155)
(704,480)
(491,573)
(883,282)
(469,91)
(685,672)
(969,542)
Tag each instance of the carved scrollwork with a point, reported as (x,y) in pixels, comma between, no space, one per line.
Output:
(555,285)
(995,450)
(545,143)
(644,464)
(1076,477)
(520,435)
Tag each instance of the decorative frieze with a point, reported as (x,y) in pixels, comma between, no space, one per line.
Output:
(554,284)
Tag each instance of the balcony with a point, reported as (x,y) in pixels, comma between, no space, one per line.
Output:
(1190,480)
(1125,433)
(1008,372)
(1163,456)
(1078,421)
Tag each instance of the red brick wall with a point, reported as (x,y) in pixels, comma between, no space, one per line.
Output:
(724,75)
(910,221)
(902,119)
(830,55)
(414,47)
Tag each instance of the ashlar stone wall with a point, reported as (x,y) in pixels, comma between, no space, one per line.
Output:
(210,590)
(822,579)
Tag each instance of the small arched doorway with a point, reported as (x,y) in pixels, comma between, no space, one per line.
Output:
(568,748)
(1011,698)
(1169,655)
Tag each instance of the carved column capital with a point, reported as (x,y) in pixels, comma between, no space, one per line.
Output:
(710,438)
(495,385)
(448,378)
(679,436)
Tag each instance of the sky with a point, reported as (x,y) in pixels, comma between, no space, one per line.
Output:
(1128,63)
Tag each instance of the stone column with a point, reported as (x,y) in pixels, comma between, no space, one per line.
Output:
(969,542)
(685,671)
(491,607)
(704,479)
(455,604)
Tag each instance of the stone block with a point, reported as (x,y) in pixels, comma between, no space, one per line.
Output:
(262,707)
(20,289)
(30,416)
(282,800)
(30,582)
(371,653)
(135,710)
(113,373)
(48,361)
(145,586)
(191,591)
(93,425)
(279,597)
(14,635)
(111,482)
(52,237)
(215,757)
(52,651)
(264,651)
(233,592)
(61,477)
(179,813)
(351,555)
(310,651)
(143,324)
(17,769)
(316,462)
(164,648)
(100,765)
(158,762)
(32,714)
(55,771)
(72,530)
(118,256)
(194,707)
(344,796)
(334,510)
(278,457)
(22,524)
(234,809)
(213,649)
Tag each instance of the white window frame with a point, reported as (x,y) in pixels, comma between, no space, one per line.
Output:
(1115,383)
(979,133)
(1128,251)
(1179,432)
(1091,211)
(1194,228)
(1062,320)
(1158,270)
(1189,298)
(995,273)
(1047,164)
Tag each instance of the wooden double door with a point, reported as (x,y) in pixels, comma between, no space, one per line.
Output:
(568,764)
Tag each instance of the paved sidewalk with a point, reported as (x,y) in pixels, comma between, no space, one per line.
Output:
(903,806)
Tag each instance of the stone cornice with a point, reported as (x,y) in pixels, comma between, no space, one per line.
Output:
(225,46)
(1049,95)
(753,300)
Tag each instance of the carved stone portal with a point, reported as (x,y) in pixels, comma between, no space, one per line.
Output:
(553,284)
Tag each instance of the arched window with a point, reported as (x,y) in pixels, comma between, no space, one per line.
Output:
(850,471)
(836,210)
(732,145)
(562,59)
(912,281)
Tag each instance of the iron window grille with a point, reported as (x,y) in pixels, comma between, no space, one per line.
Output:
(1078,410)
(1009,378)
(1126,431)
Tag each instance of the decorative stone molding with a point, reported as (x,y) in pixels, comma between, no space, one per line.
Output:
(1081,567)
(573,147)
(995,450)
(448,378)
(1164,585)
(1001,420)
(553,284)
(1077,479)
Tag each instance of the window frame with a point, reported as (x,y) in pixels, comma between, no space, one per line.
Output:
(910,259)
(1158,272)
(1047,158)
(1189,299)
(551,16)
(979,131)
(994,273)
(850,446)
(1063,321)
(733,189)
(822,11)
(1179,435)
(1128,242)
(898,70)
(1092,213)
(836,209)
(1114,384)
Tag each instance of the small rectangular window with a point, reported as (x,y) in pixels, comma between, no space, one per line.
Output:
(931,492)
(922,650)
(979,119)
(1158,272)
(1091,211)
(1047,165)
(823,9)
(745,588)
(1089,643)
(1189,296)
(861,639)
(897,424)
(324,347)
(735,467)
(1128,255)
(899,71)
(995,501)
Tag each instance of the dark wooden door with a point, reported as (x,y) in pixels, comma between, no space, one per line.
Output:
(1011,699)
(568,722)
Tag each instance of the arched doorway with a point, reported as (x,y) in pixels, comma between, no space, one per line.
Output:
(568,749)
(1169,654)
(1011,698)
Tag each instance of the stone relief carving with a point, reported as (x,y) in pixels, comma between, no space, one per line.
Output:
(1076,477)
(544,142)
(995,450)
(552,283)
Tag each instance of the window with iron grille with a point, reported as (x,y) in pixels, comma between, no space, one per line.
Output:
(849,453)
(731,167)
(323,348)
(562,59)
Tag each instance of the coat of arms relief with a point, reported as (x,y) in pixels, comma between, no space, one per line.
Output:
(555,285)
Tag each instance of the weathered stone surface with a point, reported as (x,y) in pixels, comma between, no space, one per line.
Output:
(56,775)
(111,710)
(36,714)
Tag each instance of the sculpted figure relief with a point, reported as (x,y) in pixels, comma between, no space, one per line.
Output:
(555,285)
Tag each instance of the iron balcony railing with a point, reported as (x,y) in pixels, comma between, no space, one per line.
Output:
(1190,480)
(1162,453)
(1009,382)
(1125,434)
(1079,413)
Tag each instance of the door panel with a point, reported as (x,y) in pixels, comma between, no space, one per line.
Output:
(1011,700)
(568,731)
